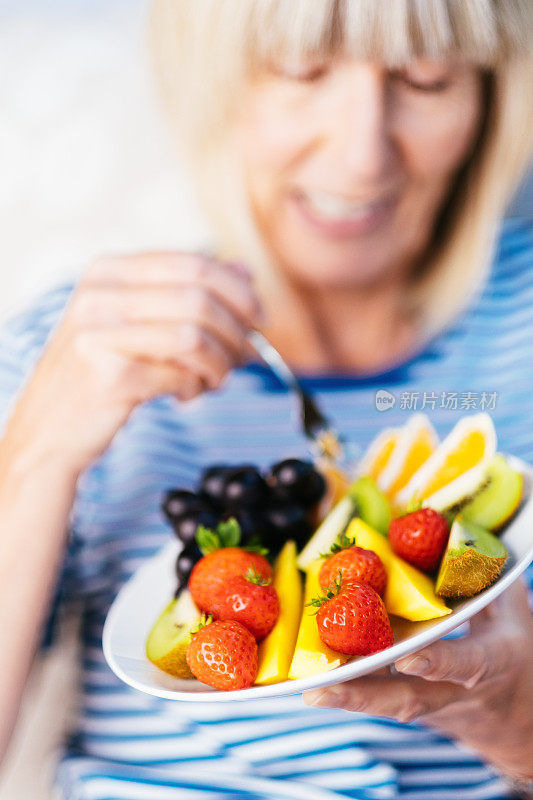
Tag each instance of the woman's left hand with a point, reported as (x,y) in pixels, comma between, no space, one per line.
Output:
(478,689)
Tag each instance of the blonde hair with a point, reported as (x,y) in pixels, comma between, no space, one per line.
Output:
(206,49)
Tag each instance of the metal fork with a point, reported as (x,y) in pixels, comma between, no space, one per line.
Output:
(324,439)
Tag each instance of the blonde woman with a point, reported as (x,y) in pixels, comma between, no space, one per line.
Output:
(354,160)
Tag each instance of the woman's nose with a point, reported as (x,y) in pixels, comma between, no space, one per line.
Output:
(360,127)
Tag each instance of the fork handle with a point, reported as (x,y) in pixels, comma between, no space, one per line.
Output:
(269,354)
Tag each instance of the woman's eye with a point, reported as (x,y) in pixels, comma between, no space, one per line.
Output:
(423,83)
(434,86)
(306,73)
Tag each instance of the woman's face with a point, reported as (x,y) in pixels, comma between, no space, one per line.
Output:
(347,163)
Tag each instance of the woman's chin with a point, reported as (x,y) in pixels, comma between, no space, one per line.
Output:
(327,258)
(353,275)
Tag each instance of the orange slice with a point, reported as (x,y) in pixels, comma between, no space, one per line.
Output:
(378,453)
(472,442)
(415,443)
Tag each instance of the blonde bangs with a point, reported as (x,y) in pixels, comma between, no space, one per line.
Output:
(211,47)
(215,45)
(390,32)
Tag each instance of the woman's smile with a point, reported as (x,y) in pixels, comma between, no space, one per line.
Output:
(335,216)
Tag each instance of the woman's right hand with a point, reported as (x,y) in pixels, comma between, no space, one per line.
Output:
(135,328)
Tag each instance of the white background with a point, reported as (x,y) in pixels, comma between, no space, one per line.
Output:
(86,161)
(86,167)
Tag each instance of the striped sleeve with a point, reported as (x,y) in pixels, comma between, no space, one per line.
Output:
(22,341)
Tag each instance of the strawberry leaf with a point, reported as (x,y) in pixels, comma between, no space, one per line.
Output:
(229,532)
(415,503)
(329,592)
(205,619)
(252,576)
(208,540)
(342,542)
(255,546)
(226,534)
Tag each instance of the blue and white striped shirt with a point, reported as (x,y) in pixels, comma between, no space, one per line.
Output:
(126,745)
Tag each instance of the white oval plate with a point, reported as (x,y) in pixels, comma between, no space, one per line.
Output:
(142,599)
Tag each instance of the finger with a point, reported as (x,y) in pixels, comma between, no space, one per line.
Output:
(467,661)
(143,268)
(104,305)
(386,671)
(229,282)
(152,380)
(494,646)
(182,345)
(396,697)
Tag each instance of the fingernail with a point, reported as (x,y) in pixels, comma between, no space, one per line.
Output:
(331,697)
(416,666)
(314,698)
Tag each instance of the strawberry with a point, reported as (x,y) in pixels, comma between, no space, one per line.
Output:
(210,575)
(250,600)
(352,619)
(420,538)
(354,563)
(223,559)
(223,655)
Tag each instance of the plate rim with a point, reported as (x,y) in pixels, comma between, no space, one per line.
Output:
(339,674)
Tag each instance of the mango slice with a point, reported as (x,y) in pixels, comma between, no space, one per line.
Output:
(409,594)
(311,655)
(276,651)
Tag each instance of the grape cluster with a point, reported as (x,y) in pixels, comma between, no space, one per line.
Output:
(269,508)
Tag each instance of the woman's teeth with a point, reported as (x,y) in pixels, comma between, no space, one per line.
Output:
(336,208)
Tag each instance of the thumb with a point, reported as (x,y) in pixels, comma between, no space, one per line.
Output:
(495,645)
(466,661)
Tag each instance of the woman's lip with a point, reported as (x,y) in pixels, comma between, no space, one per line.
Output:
(358,224)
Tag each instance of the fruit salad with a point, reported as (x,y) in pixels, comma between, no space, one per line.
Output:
(293,572)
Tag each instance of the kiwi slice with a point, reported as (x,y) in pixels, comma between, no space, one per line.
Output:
(327,532)
(499,498)
(371,505)
(473,559)
(169,639)
(364,500)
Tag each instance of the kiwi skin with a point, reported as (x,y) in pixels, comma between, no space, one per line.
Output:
(175,662)
(473,560)
(467,575)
